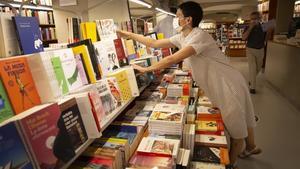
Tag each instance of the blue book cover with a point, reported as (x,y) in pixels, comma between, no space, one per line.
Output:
(12,150)
(29,34)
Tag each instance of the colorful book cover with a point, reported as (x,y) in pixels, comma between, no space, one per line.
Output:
(92,163)
(110,50)
(46,137)
(91,32)
(123,83)
(147,161)
(8,38)
(13,153)
(102,56)
(115,90)
(19,84)
(83,51)
(97,108)
(109,102)
(69,67)
(211,155)
(120,52)
(108,29)
(5,108)
(211,140)
(29,34)
(130,47)
(91,54)
(59,73)
(81,69)
(71,119)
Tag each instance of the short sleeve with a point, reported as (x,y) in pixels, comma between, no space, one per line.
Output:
(175,40)
(200,43)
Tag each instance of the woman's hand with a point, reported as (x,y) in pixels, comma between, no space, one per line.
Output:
(140,68)
(123,34)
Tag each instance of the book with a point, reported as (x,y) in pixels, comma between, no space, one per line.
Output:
(5,108)
(29,34)
(92,162)
(211,140)
(123,83)
(203,165)
(120,52)
(8,38)
(159,147)
(108,29)
(178,90)
(92,55)
(44,76)
(97,108)
(210,113)
(90,120)
(132,81)
(102,57)
(13,152)
(72,120)
(87,63)
(89,31)
(210,127)
(69,68)
(131,54)
(45,135)
(204,101)
(59,74)
(81,69)
(110,50)
(211,155)
(19,84)
(109,100)
(148,161)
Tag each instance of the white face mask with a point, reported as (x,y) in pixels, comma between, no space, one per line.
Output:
(176,25)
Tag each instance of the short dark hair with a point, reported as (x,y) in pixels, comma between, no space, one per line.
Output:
(255,13)
(194,10)
(173,10)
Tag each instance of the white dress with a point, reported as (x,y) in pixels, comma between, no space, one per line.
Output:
(224,85)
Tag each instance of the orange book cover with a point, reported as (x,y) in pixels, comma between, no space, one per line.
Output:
(19,84)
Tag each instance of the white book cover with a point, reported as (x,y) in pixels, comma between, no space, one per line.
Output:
(44,77)
(8,38)
(172,108)
(87,116)
(108,29)
(202,165)
(70,69)
(111,54)
(204,101)
(102,57)
(132,81)
(186,158)
(159,146)
(211,139)
(204,110)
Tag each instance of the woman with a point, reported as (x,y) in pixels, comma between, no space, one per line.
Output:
(225,86)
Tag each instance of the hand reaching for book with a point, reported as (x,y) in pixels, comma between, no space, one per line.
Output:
(123,34)
(139,68)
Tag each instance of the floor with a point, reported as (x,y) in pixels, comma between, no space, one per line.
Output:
(277,131)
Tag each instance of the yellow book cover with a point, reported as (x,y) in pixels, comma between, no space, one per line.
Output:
(83,31)
(123,83)
(88,67)
(130,47)
(207,125)
(91,33)
(160,36)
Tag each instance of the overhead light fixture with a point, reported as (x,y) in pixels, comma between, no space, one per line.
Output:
(141,3)
(165,12)
(29,6)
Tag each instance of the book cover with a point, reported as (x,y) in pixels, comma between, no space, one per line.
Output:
(203,165)
(111,52)
(72,121)
(29,34)
(81,69)
(109,101)
(19,84)
(148,161)
(120,52)
(44,76)
(13,153)
(91,54)
(132,81)
(92,163)
(44,136)
(89,31)
(211,113)
(69,68)
(130,47)
(121,132)
(108,29)
(83,51)
(5,108)
(59,74)
(123,83)
(8,38)
(97,108)
(211,140)
(211,155)
(159,146)
(209,125)
(102,56)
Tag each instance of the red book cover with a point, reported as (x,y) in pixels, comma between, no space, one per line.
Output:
(214,127)
(85,161)
(19,84)
(166,52)
(151,161)
(44,136)
(97,108)
(120,52)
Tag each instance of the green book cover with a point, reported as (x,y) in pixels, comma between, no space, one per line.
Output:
(59,73)
(5,109)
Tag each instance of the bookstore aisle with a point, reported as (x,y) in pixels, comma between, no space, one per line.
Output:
(277,130)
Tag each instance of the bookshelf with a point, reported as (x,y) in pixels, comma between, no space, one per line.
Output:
(42,10)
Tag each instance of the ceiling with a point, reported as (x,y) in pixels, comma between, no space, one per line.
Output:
(219,10)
